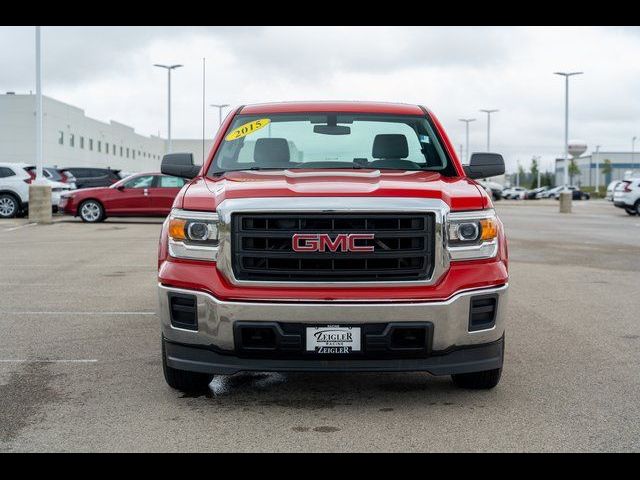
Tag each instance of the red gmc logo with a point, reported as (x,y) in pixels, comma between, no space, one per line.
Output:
(321,242)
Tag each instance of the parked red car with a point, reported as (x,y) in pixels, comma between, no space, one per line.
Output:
(143,194)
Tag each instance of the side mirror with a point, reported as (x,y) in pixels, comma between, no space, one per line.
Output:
(120,187)
(484,165)
(179,165)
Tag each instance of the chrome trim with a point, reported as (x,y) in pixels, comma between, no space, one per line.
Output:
(191,251)
(472,215)
(193,214)
(450,317)
(332,205)
(474,252)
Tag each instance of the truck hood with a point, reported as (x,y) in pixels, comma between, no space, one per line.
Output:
(208,193)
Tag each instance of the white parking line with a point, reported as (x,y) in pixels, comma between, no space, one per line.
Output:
(76,313)
(19,227)
(80,360)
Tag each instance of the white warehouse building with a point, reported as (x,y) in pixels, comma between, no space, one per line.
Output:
(71,139)
(622,164)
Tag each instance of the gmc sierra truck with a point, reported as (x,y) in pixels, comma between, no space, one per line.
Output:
(332,237)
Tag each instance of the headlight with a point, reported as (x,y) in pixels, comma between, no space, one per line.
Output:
(472,235)
(193,235)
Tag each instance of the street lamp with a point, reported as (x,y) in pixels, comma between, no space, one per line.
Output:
(489,112)
(467,121)
(633,152)
(219,107)
(566,76)
(169,68)
(597,168)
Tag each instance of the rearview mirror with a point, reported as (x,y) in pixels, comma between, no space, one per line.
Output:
(332,129)
(484,165)
(179,165)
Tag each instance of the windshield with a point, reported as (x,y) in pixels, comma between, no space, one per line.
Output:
(293,141)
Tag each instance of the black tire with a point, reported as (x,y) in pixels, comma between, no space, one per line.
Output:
(631,211)
(188,382)
(478,380)
(637,207)
(9,205)
(91,211)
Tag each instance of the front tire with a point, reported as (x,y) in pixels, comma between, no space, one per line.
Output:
(631,211)
(91,211)
(183,380)
(9,206)
(478,380)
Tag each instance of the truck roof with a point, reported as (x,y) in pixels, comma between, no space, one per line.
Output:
(347,107)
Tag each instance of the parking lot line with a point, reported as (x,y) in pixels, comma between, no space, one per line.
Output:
(21,360)
(18,227)
(75,313)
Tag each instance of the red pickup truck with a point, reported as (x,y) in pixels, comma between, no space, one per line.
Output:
(342,236)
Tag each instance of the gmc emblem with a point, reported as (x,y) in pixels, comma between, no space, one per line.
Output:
(321,242)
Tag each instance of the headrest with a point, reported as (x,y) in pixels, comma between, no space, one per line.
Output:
(392,145)
(271,152)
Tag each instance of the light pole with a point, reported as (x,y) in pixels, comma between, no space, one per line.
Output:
(597,168)
(38,108)
(633,152)
(39,189)
(219,107)
(467,121)
(489,112)
(169,68)
(566,76)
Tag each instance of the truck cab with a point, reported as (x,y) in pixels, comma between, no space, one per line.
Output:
(332,236)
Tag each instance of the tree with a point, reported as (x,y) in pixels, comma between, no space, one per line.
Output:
(534,173)
(521,175)
(573,170)
(606,170)
(547,180)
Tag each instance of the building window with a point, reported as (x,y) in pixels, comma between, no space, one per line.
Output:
(91,144)
(127,152)
(99,146)
(121,150)
(72,140)
(113,149)
(81,142)
(60,137)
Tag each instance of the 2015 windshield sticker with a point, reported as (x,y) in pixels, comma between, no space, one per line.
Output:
(247,129)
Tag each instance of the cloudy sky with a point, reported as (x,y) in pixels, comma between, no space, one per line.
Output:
(455,71)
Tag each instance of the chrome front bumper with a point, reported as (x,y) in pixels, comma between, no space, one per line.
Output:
(450,318)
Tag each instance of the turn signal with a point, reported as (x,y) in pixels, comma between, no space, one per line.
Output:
(176,228)
(489,228)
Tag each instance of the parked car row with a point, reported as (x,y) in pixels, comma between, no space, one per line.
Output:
(521,193)
(16,177)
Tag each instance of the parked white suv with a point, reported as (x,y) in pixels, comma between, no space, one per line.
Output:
(14,189)
(610,189)
(514,193)
(627,195)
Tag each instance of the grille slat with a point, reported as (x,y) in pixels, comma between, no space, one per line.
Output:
(262,247)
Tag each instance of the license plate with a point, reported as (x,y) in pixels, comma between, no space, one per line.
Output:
(332,339)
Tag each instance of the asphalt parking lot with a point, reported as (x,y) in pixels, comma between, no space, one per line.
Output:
(80,362)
